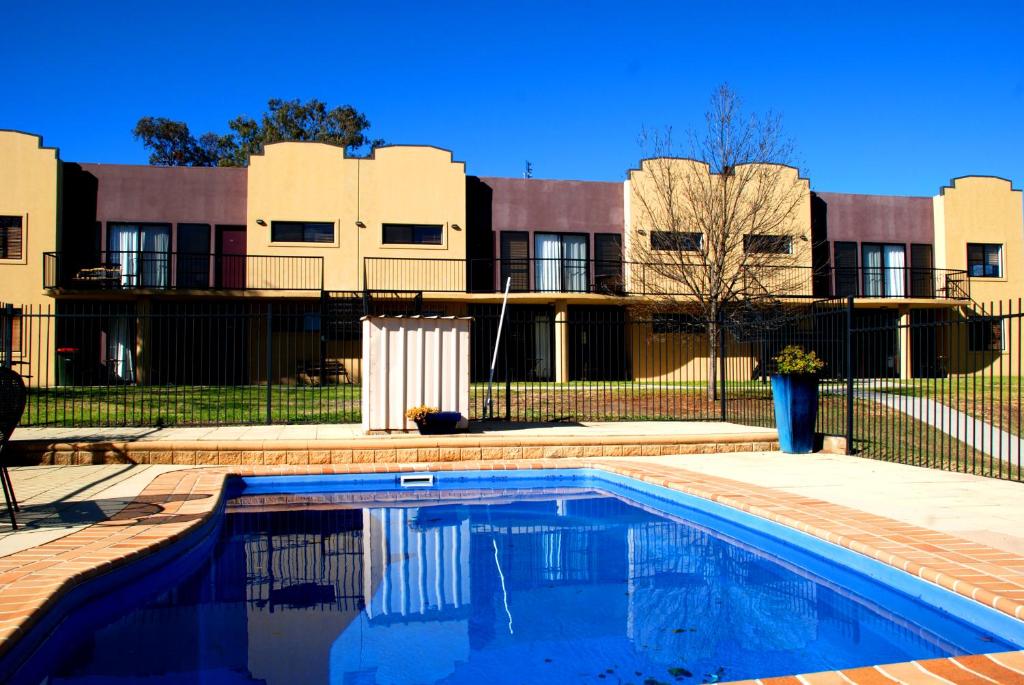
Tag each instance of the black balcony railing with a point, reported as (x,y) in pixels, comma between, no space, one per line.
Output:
(620,277)
(530,275)
(897,282)
(120,270)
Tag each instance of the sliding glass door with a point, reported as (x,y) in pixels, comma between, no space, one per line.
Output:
(884,270)
(561,262)
(142,252)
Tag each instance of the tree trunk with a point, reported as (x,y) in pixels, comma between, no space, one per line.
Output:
(713,332)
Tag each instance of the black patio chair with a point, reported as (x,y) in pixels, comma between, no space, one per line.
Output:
(12,404)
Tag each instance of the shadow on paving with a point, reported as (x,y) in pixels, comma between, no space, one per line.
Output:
(62,514)
(493,425)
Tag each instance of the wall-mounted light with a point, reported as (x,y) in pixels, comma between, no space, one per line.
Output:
(360,224)
(456,227)
(261,222)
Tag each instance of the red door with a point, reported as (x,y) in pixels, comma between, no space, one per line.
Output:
(230,257)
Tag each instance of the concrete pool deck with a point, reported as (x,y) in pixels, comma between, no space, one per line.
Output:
(346,444)
(951,529)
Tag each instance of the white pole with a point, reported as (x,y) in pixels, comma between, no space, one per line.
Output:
(494,357)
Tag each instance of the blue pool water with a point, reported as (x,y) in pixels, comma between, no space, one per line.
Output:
(567,578)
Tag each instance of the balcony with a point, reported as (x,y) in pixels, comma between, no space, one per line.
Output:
(895,282)
(532,275)
(624,278)
(124,271)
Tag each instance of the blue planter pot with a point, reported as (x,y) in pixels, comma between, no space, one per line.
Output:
(440,423)
(796,410)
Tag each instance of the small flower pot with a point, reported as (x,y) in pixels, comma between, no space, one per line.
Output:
(796,411)
(439,423)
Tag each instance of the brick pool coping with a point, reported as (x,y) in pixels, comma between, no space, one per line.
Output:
(176,503)
(386,450)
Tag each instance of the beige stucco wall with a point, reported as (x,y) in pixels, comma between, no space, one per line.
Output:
(683,357)
(642,190)
(29,182)
(982,209)
(399,184)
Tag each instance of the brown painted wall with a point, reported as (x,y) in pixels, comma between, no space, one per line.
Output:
(162,195)
(877,218)
(555,206)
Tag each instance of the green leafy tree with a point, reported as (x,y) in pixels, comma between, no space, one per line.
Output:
(171,143)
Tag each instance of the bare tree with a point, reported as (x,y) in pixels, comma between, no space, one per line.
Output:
(722,226)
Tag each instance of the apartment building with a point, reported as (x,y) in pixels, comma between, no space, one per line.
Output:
(407,230)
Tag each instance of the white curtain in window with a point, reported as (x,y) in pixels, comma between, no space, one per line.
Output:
(895,261)
(542,347)
(548,268)
(574,263)
(872,271)
(124,251)
(156,241)
(121,349)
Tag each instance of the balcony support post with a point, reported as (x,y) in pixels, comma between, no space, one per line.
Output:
(904,342)
(561,342)
(143,340)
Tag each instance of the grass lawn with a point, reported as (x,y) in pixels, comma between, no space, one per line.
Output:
(884,433)
(996,399)
(880,432)
(130,405)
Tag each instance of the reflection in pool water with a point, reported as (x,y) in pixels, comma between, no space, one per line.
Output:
(560,586)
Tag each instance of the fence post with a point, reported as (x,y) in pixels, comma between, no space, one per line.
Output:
(721,360)
(270,359)
(849,375)
(7,335)
(508,390)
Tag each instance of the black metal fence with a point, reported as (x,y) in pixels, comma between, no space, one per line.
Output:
(937,386)
(166,363)
(170,270)
(941,387)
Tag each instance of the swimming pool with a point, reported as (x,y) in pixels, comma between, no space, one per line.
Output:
(502,577)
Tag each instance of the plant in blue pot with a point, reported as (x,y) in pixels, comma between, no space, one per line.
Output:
(795,391)
(431,421)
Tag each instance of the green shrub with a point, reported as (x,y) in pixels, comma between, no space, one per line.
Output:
(793,360)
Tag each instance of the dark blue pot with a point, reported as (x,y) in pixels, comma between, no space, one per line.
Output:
(796,410)
(440,423)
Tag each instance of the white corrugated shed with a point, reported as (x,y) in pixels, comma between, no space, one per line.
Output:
(410,361)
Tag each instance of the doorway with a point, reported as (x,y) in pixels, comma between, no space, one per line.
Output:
(230,257)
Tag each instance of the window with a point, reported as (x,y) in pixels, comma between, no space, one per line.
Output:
(141,252)
(10,237)
(561,262)
(413,234)
(675,322)
(754,243)
(845,260)
(985,334)
(675,240)
(984,260)
(608,263)
(515,260)
(922,275)
(301,232)
(15,330)
(884,270)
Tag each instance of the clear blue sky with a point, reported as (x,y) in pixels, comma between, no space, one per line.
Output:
(894,97)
